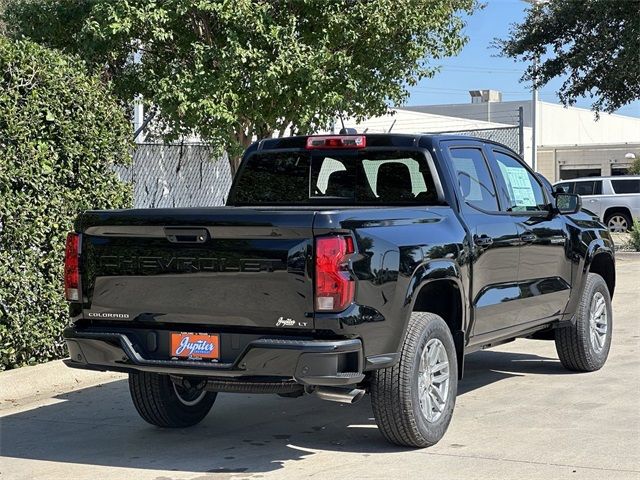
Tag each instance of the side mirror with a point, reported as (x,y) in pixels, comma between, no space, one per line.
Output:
(567,202)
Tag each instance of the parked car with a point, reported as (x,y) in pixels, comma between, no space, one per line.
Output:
(616,200)
(341,265)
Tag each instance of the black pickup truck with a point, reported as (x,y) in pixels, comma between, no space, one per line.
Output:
(342,265)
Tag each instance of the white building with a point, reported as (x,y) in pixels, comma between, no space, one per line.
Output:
(406,120)
(570,141)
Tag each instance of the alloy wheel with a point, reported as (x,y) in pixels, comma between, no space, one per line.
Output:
(189,396)
(618,224)
(433,380)
(598,322)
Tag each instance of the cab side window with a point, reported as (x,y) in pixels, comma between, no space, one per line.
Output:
(522,191)
(474,180)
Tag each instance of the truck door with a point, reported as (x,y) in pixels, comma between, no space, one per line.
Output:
(544,273)
(496,247)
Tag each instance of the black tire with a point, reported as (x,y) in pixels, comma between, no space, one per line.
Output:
(394,390)
(574,343)
(159,402)
(623,215)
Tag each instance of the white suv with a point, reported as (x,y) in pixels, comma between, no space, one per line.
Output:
(616,200)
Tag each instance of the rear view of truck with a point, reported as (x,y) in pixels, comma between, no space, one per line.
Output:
(222,292)
(282,291)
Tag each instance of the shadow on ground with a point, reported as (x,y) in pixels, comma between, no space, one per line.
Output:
(243,433)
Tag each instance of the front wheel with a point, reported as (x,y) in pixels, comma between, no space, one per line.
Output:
(584,345)
(164,403)
(413,401)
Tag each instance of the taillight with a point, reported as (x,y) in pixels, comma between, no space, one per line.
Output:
(72,268)
(334,286)
(342,141)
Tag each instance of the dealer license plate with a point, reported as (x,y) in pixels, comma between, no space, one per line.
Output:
(195,345)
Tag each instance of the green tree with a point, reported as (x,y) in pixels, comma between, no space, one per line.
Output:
(61,132)
(595,44)
(635,167)
(227,70)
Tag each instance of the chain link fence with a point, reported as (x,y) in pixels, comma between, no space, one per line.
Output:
(509,136)
(177,175)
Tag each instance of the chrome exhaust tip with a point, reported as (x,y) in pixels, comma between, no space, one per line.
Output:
(341,395)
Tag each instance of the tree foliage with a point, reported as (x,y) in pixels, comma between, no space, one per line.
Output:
(3,5)
(635,167)
(60,133)
(594,43)
(228,70)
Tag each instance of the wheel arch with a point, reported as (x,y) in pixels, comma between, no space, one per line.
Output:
(603,264)
(438,289)
(617,209)
(442,297)
(597,257)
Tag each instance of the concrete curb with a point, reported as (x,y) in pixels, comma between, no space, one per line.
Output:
(47,380)
(626,254)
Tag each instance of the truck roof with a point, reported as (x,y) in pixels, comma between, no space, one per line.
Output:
(424,140)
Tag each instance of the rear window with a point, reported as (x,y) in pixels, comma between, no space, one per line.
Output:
(626,186)
(334,177)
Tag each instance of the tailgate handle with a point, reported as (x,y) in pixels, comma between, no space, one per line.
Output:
(187,235)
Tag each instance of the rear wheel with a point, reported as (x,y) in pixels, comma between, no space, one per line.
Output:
(413,401)
(618,222)
(164,403)
(584,346)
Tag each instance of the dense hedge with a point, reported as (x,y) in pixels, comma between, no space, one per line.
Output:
(60,133)
(634,240)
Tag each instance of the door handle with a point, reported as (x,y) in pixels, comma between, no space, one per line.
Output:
(528,237)
(482,240)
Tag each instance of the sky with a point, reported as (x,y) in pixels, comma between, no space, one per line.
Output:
(477,67)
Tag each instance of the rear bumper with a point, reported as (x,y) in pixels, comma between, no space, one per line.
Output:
(308,362)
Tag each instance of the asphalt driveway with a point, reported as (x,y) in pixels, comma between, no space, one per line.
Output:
(519,414)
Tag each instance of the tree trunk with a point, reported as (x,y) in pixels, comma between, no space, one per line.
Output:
(244,136)
(234,163)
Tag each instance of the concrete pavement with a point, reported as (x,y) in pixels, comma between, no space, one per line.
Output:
(519,414)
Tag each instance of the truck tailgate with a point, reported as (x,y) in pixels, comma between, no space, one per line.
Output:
(216,266)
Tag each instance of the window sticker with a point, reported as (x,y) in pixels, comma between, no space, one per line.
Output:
(520,188)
